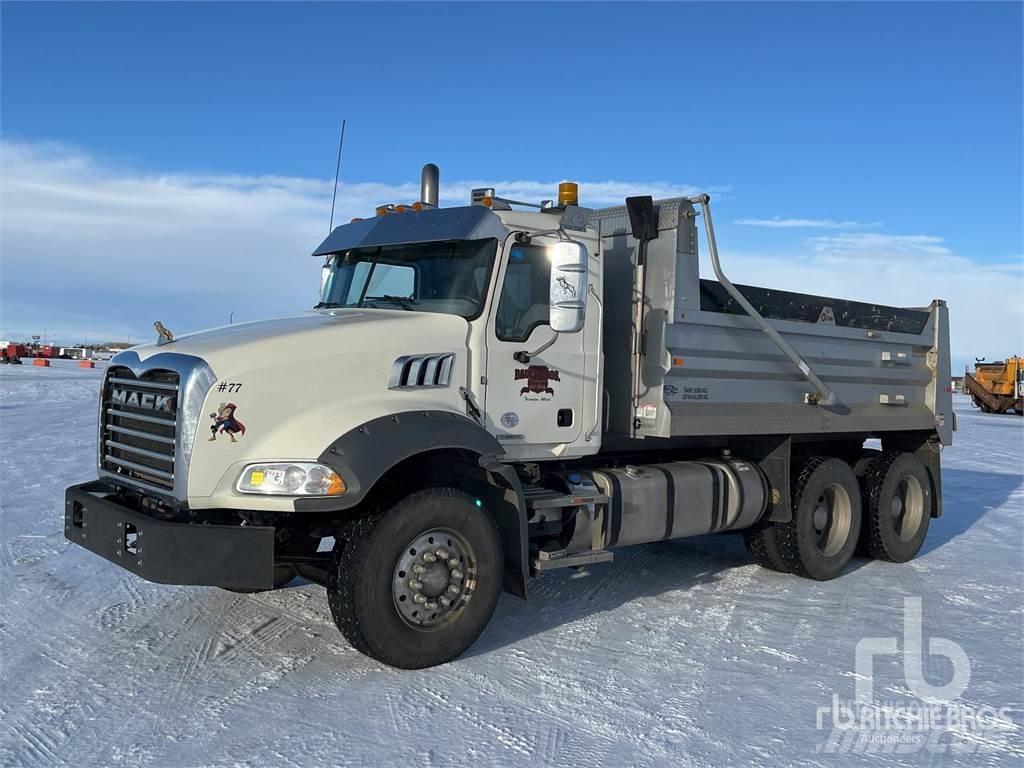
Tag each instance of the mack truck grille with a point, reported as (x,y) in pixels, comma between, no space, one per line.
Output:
(139,426)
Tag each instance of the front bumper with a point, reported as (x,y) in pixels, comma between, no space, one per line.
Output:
(236,556)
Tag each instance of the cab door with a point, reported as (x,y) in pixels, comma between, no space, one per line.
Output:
(533,406)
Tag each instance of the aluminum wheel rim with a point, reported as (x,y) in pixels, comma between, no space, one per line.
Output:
(434,579)
(907,507)
(831,519)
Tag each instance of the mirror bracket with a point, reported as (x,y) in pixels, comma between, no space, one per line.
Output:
(524,357)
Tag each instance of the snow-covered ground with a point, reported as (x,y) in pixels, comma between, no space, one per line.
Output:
(681,653)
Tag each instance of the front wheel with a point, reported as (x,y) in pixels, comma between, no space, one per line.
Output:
(415,586)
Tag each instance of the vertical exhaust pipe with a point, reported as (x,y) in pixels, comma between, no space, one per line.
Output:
(430,180)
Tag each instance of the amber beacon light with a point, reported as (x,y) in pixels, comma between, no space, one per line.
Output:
(568,193)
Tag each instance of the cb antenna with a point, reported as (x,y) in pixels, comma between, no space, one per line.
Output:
(337,173)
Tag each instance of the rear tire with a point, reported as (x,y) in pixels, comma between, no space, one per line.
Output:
(820,539)
(860,469)
(396,599)
(861,465)
(898,504)
(762,542)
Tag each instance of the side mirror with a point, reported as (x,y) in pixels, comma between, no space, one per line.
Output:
(325,276)
(567,292)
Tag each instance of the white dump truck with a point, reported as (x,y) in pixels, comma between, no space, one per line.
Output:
(488,392)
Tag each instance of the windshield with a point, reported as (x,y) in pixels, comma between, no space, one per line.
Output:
(446,277)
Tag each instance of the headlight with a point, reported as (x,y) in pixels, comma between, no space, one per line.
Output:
(290,478)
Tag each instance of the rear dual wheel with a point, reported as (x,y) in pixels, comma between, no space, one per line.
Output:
(880,508)
(820,538)
(898,503)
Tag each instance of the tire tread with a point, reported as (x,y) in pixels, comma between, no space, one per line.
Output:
(763,546)
(789,548)
(872,541)
(350,551)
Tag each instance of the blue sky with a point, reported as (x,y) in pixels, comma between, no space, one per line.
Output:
(881,129)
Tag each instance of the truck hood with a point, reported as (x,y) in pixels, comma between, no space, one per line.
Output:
(295,384)
(311,336)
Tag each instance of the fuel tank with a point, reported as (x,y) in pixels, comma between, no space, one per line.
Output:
(657,502)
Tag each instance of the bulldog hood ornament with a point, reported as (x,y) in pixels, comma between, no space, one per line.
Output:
(163,336)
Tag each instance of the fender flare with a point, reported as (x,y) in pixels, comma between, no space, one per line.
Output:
(364,454)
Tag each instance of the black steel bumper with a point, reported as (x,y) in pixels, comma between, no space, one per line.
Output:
(166,552)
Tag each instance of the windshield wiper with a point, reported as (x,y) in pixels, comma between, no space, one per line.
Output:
(326,304)
(403,301)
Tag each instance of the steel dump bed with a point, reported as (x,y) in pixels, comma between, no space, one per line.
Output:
(702,365)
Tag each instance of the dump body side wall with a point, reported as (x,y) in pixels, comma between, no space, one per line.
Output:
(706,369)
(729,378)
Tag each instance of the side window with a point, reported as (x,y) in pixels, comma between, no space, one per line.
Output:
(524,294)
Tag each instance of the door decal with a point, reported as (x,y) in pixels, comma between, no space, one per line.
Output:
(538,379)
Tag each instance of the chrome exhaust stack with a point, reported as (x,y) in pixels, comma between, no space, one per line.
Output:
(430,180)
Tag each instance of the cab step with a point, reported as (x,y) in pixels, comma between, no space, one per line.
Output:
(549,561)
(545,499)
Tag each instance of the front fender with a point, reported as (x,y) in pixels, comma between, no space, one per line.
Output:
(363,455)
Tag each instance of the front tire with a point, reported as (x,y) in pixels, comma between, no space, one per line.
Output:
(415,586)
(822,535)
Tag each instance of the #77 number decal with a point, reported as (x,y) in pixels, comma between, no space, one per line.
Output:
(225,422)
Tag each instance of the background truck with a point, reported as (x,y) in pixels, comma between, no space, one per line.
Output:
(485,393)
(997,387)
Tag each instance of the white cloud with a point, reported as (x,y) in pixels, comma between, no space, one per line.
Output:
(780,223)
(875,244)
(986,313)
(89,245)
(90,248)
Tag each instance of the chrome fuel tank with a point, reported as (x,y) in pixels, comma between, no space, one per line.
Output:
(657,502)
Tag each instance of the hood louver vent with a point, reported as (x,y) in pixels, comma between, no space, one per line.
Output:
(434,370)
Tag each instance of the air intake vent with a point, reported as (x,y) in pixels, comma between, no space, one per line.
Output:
(433,370)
